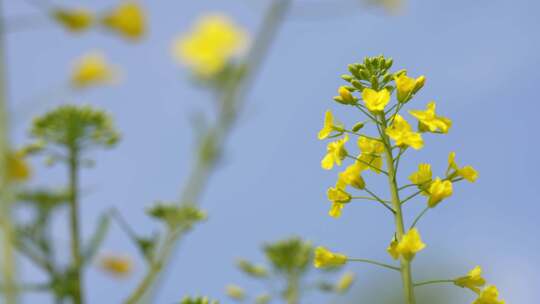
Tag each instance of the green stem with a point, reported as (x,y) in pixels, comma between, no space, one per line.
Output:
(433,282)
(375,263)
(292,295)
(76,258)
(406,276)
(419,217)
(8,262)
(231,103)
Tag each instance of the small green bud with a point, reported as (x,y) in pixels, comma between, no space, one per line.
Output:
(388,64)
(375,82)
(338,99)
(400,72)
(364,75)
(358,85)
(388,77)
(352,68)
(358,126)
(347,78)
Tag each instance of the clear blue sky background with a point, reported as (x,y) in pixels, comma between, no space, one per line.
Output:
(481,59)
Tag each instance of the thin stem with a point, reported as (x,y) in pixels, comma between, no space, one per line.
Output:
(360,135)
(8,260)
(232,100)
(75,238)
(408,198)
(383,202)
(375,263)
(433,282)
(419,216)
(373,118)
(406,276)
(369,198)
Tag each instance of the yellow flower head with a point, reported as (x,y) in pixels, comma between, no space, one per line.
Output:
(335,153)
(351,176)
(345,96)
(392,249)
(422,176)
(410,244)
(439,190)
(235,292)
(92,69)
(339,197)
(345,282)
(376,100)
(429,121)
(467,172)
(473,280)
(326,258)
(75,20)
(128,20)
(116,265)
(490,295)
(370,158)
(401,132)
(210,45)
(329,126)
(18,169)
(406,86)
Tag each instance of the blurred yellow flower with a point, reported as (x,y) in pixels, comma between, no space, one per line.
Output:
(345,282)
(235,292)
(74,20)
(326,258)
(473,280)
(351,176)
(345,96)
(422,176)
(429,121)
(339,197)
(406,86)
(128,19)
(401,132)
(370,157)
(410,244)
(210,45)
(329,126)
(439,190)
(92,69)
(117,265)
(18,170)
(490,295)
(376,100)
(467,172)
(335,153)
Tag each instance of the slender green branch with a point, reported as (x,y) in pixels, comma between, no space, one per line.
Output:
(383,202)
(360,135)
(231,103)
(408,198)
(419,216)
(373,118)
(433,282)
(368,164)
(375,263)
(76,257)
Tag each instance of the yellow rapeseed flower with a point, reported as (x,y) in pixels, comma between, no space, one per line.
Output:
(410,244)
(326,258)
(235,292)
(117,265)
(128,20)
(467,172)
(18,170)
(429,121)
(74,20)
(345,96)
(439,190)
(345,282)
(329,126)
(401,132)
(406,86)
(370,158)
(92,69)
(335,153)
(490,295)
(210,45)
(351,176)
(473,280)
(338,197)
(422,176)
(376,100)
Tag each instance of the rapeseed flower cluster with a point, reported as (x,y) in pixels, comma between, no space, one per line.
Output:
(370,91)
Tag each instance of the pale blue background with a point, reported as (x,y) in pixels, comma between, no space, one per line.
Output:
(481,59)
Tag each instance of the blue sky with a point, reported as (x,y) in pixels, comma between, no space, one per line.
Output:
(480,59)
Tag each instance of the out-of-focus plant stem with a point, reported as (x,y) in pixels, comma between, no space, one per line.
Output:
(8,251)
(293,289)
(406,277)
(76,263)
(231,101)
